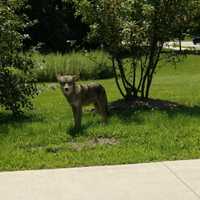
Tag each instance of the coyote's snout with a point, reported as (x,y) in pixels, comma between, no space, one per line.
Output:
(80,95)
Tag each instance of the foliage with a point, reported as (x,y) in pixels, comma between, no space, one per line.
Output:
(88,65)
(54,27)
(195,15)
(135,29)
(16,82)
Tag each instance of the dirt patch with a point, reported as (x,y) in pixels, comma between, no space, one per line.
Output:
(55,149)
(104,140)
(73,145)
(92,143)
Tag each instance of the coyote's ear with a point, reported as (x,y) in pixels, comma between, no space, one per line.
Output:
(76,77)
(58,76)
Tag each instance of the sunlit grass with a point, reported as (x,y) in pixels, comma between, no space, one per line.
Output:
(43,139)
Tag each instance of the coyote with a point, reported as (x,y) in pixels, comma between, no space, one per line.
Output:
(79,95)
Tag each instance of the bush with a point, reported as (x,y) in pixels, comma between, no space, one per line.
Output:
(92,65)
(17,84)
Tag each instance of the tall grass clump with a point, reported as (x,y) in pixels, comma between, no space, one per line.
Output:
(89,65)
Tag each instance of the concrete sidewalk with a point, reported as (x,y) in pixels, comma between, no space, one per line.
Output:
(154,181)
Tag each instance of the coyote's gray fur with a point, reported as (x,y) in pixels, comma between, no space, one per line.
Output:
(79,95)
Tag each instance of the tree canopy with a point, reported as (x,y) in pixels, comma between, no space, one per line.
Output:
(53,24)
(137,30)
(195,16)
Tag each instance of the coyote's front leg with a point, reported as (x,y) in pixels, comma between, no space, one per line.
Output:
(77,112)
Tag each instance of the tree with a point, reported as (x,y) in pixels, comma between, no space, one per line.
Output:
(195,16)
(134,32)
(17,84)
(54,24)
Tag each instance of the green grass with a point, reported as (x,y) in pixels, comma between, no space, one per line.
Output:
(43,139)
(89,65)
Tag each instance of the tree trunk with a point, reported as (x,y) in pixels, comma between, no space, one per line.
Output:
(146,65)
(116,78)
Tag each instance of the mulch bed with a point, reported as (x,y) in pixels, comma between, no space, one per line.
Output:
(135,103)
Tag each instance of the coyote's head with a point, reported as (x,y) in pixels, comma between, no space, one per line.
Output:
(67,83)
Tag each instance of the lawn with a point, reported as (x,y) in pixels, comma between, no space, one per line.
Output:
(44,137)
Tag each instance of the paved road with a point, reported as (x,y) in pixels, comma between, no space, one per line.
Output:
(178,180)
(184,44)
(189,44)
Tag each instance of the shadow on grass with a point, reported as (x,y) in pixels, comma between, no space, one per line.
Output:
(74,132)
(127,110)
(193,111)
(7,120)
(83,130)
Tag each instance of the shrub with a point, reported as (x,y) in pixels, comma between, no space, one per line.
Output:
(17,84)
(91,65)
